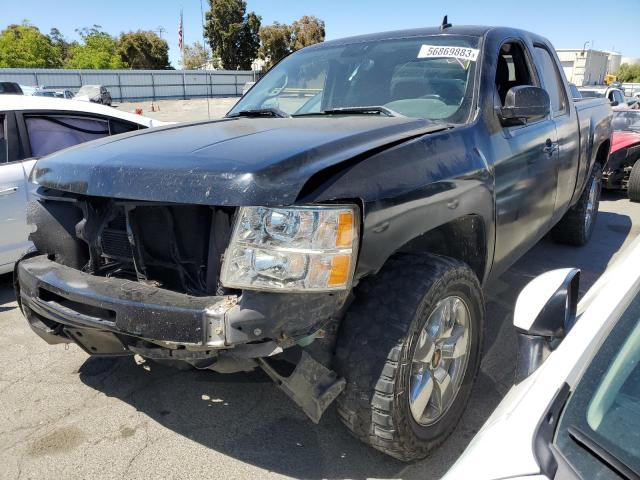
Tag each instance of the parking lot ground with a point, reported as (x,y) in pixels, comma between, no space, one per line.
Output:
(182,110)
(65,415)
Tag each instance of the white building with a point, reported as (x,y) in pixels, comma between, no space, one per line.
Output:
(614,62)
(584,67)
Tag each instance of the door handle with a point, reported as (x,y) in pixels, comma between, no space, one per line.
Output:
(549,147)
(8,191)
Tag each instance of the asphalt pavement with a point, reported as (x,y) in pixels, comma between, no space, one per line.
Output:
(65,415)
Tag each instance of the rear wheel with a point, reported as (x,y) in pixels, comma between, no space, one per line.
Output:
(633,188)
(576,226)
(410,348)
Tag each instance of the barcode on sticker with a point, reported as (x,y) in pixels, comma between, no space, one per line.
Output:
(435,51)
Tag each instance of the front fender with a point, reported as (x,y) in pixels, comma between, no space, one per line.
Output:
(413,188)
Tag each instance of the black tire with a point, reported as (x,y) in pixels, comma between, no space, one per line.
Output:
(375,347)
(572,229)
(633,188)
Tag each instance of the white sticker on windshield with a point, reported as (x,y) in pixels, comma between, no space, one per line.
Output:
(438,51)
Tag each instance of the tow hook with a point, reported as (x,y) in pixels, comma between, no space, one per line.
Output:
(311,385)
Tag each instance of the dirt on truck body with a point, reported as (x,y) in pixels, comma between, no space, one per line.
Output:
(334,229)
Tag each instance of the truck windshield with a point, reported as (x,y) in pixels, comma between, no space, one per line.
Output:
(429,77)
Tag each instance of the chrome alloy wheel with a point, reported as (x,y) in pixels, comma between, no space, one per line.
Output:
(440,360)
(593,194)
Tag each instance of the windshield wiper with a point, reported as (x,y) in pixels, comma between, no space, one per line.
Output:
(587,442)
(374,109)
(260,112)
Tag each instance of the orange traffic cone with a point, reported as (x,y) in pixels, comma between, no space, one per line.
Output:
(138,111)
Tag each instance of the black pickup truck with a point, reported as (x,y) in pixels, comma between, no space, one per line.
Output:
(334,229)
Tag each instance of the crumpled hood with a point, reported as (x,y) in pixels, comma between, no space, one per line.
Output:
(244,161)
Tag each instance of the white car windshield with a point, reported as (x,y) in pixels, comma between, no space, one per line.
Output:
(626,120)
(429,77)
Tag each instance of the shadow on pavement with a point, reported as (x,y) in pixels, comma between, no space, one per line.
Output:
(246,417)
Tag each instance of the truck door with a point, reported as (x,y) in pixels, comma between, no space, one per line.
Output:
(525,164)
(566,122)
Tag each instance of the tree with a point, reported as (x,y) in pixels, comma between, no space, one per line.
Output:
(143,50)
(196,55)
(232,33)
(279,40)
(59,41)
(275,43)
(309,30)
(99,50)
(629,73)
(24,46)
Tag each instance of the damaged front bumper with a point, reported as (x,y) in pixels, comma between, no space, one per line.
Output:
(62,304)
(57,299)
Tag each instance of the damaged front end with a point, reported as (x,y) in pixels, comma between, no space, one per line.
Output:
(122,277)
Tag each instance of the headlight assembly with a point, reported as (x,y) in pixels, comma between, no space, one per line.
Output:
(292,249)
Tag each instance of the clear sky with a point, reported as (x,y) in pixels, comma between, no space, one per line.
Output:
(567,23)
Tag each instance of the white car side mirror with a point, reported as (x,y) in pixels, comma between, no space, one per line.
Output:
(545,312)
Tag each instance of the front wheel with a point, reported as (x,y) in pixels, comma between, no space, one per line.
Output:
(577,225)
(633,188)
(410,348)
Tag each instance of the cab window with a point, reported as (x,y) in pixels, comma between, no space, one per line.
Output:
(50,133)
(551,79)
(512,69)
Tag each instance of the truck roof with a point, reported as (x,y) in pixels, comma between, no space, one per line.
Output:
(471,30)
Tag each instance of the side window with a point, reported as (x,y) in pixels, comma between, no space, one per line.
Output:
(118,126)
(512,69)
(617,95)
(50,133)
(3,141)
(551,79)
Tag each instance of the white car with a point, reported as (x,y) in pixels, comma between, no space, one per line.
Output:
(575,410)
(32,127)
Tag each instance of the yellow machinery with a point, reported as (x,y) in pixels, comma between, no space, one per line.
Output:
(609,79)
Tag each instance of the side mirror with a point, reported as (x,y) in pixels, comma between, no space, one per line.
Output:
(524,103)
(545,312)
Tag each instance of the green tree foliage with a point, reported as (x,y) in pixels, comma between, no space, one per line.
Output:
(196,55)
(99,50)
(143,50)
(275,43)
(61,42)
(309,30)
(279,40)
(629,73)
(232,33)
(24,46)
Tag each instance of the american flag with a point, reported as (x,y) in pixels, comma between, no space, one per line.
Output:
(180,33)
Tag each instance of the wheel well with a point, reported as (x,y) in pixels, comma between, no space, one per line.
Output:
(463,239)
(603,153)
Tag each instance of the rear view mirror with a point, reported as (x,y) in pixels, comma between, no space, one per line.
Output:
(545,312)
(524,103)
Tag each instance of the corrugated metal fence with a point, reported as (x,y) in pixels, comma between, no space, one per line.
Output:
(137,84)
(631,89)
